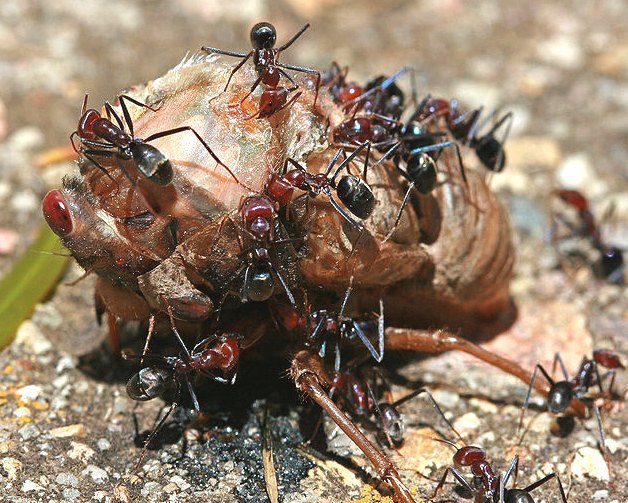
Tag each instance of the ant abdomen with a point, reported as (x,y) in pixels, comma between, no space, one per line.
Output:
(148,383)
(356,195)
(152,163)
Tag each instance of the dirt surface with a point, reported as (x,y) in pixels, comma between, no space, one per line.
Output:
(66,424)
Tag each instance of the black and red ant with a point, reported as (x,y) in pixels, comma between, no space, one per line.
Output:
(259,218)
(366,394)
(352,191)
(562,393)
(163,377)
(487,485)
(103,138)
(464,126)
(327,328)
(269,70)
(610,265)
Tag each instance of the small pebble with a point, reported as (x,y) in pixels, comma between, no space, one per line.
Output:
(446,399)
(29,485)
(589,462)
(563,51)
(100,495)
(80,452)
(150,488)
(467,424)
(32,339)
(71,493)
(22,412)
(73,430)
(30,392)
(65,363)
(66,479)
(28,431)
(103,444)
(8,241)
(180,481)
(171,488)
(12,466)
(484,405)
(600,494)
(97,474)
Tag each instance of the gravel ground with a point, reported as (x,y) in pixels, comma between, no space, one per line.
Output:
(66,425)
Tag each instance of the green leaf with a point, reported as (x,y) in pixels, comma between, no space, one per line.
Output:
(31,280)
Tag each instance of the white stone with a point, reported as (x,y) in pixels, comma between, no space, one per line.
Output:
(589,462)
(29,393)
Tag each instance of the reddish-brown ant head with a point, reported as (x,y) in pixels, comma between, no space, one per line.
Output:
(257,206)
(468,455)
(607,358)
(349,92)
(357,130)
(85,129)
(263,36)
(57,213)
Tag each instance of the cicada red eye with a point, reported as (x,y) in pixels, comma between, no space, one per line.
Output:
(57,213)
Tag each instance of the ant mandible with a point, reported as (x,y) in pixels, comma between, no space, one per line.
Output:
(106,139)
(266,60)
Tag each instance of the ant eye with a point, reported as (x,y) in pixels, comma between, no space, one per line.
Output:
(147,384)
(57,213)
(263,36)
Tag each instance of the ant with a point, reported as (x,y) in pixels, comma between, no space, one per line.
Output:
(487,485)
(103,138)
(415,149)
(326,326)
(259,216)
(611,262)
(367,394)
(162,378)
(352,191)
(562,393)
(265,58)
(464,125)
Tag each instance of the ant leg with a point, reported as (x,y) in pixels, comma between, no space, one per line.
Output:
(542,481)
(245,58)
(293,38)
(527,399)
(149,336)
(174,328)
(514,466)
(197,407)
(253,87)
(400,212)
(307,373)
(236,68)
(207,147)
(285,286)
(304,70)
(557,358)
(417,392)
(125,110)
(153,433)
(603,448)
(345,162)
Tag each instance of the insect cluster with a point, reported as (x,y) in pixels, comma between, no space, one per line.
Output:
(254,206)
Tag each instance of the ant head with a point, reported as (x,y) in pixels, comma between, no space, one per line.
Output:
(263,36)
(148,383)
(517,496)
